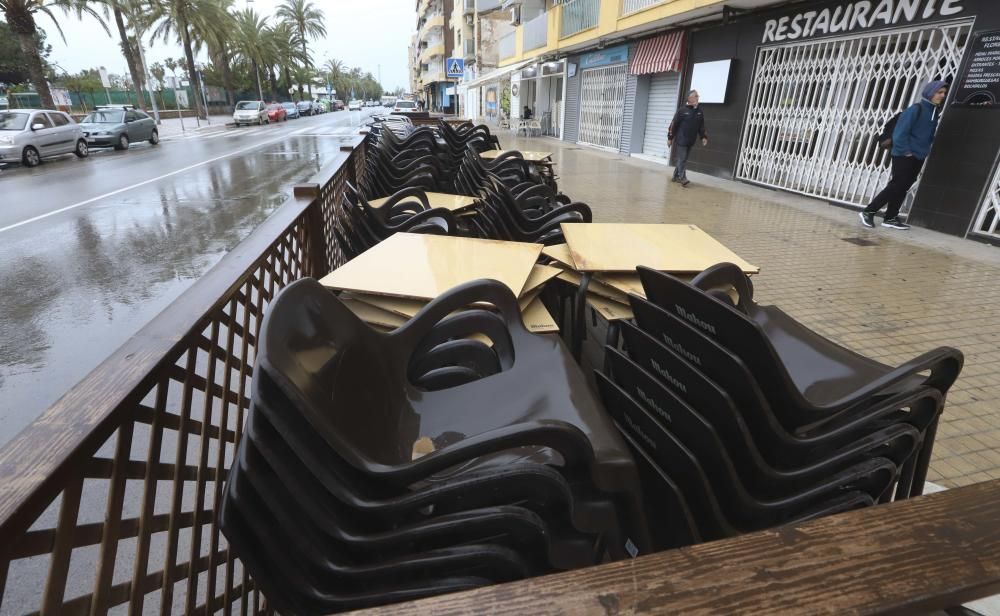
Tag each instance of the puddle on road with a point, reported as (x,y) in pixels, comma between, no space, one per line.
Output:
(77,285)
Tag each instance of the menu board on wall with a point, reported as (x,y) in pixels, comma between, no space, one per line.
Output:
(979,85)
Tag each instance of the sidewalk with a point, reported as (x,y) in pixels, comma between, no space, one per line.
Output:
(170,124)
(888,294)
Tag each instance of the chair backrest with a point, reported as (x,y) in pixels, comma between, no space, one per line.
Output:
(666,452)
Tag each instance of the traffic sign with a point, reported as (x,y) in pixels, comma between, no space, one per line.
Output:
(329,89)
(456,67)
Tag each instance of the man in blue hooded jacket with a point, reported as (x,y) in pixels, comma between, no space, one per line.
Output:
(911,142)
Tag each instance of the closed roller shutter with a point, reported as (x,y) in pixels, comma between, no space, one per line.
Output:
(663,94)
(602,106)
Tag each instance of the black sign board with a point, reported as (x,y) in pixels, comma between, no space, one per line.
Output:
(979,86)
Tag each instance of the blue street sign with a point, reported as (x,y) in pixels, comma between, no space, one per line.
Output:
(456,67)
(329,89)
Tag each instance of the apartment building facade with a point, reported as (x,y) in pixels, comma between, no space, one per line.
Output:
(795,93)
(431,45)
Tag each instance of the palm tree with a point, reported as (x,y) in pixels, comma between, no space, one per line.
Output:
(334,68)
(285,55)
(129,45)
(218,38)
(185,18)
(307,20)
(20,16)
(251,43)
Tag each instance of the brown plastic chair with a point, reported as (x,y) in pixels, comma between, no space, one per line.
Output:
(350,383)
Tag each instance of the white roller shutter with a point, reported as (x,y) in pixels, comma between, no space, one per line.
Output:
(663,94)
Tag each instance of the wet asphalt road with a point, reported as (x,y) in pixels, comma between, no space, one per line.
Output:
(91,250)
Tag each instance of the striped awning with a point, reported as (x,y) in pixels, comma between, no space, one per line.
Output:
(659,54)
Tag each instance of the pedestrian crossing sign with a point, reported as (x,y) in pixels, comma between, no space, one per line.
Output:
(456,67)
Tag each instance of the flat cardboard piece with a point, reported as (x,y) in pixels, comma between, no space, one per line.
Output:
(418,266)
(620,247)
(451,202)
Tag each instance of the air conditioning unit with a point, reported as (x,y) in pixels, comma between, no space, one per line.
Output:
(470,20)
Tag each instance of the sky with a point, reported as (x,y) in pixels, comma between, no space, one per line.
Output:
(362,33)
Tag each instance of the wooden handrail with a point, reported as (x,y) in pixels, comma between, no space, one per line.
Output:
(908,557)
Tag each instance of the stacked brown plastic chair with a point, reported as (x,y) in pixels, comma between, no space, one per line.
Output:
(421,461)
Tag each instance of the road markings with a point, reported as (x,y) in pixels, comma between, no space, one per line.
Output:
(151,180)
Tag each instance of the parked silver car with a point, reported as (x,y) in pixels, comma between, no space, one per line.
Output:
(29,135)
(118,127)
(250,112)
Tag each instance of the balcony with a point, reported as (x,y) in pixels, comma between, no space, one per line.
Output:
(487,5)
(579,15)
(633,6)
(508,46)
(435,21)
(433,51)
(536,32)
(469,49)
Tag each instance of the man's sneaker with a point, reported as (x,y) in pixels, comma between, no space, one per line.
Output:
(895,223)
(867,219)
(675,179)
(685,182)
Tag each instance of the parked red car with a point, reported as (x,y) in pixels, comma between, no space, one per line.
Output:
(276,113)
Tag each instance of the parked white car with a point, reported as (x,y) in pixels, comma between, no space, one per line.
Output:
(404,106)
(29,135)
(354,106)
(250,112)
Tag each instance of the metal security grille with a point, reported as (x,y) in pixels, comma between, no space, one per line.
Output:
(815,109)
(602,106)
(988,221)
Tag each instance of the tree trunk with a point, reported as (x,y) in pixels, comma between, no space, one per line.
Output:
(273,80)
(256,74)
(192,69)
(305,58)
(288,79)
(227,78)
(23,26)
(128,51)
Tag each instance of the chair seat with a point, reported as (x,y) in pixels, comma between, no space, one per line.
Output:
(824,372)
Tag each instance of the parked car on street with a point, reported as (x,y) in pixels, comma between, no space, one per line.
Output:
(338,105)
(29,135)
(4,103)
(250,112)
(291,111)
(118,127)
(276,113)
(404,106)
(305,108)
(354,106)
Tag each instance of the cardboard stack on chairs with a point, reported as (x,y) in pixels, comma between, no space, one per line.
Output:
(419,426)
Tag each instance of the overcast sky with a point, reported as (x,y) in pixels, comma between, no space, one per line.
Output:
(362,33)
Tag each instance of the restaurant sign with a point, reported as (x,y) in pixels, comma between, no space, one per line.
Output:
(859,15)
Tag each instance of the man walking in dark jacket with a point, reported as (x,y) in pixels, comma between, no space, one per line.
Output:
(688,124)
(911,142)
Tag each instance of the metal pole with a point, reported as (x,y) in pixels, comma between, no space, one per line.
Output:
(177,102)
(145,77)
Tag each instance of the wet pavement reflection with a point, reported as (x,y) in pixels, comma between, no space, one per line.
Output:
(75,286)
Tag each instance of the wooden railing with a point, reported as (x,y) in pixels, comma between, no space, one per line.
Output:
(908,557)
(109,498)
